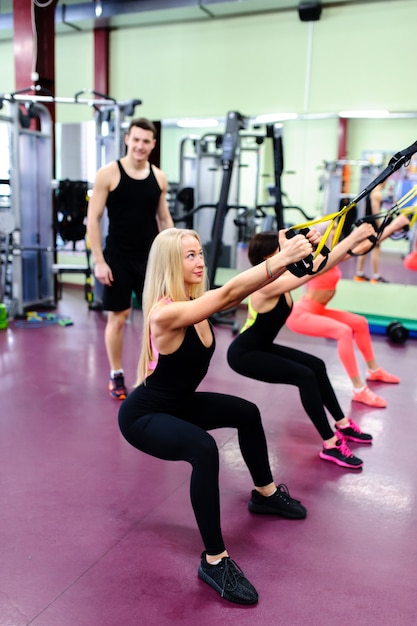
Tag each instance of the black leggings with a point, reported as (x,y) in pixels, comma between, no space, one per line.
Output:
(284,365)
(185,439)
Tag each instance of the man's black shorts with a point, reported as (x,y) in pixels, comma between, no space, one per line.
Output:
(128,277)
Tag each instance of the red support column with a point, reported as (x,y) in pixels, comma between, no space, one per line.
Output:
(23,44)
(34,53)
(342,154)
(34,45)
(342,143)
(101,60)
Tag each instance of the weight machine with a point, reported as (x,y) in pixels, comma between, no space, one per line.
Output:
(226,152)
(277,221)
(220,153)
(26,239)
(338,181)
(218,189)
(274,132)
(199,189)
(27,228)
(234,123)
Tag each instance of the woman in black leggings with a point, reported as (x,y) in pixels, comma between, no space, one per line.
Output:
(254,354)
(165,417)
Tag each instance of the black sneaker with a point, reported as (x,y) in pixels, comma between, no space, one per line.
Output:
(341,455)
(280,503)
(228,580)
(354,433)
(117,387)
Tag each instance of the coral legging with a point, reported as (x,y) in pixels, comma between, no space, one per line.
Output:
(309,317)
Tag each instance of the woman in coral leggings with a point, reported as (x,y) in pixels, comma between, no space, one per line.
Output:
(311,316)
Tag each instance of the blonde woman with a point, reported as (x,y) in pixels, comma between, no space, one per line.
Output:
(166,417)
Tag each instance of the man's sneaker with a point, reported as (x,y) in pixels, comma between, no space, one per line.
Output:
(117,387)
(228,580)
(379,280)
(352,432)
(361,278)
(382,376)
(280,503)
(341,455)
(366,396)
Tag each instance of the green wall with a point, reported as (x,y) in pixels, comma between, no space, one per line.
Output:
(74,71)
(360,59)
(260,64)
(353,57)
(7,74)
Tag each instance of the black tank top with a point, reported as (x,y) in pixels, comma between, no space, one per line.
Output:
(131,208)
(174,379)
(262,332)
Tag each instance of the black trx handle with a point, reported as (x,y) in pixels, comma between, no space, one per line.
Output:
(305,266)
(372,238)
(371,219)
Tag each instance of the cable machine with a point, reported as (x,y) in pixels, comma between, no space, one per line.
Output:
(207,182)
(234,123)
(274,132)
(199,188)
(337,182)
(27,245)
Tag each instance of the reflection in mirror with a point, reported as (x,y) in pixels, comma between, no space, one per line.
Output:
(313,179)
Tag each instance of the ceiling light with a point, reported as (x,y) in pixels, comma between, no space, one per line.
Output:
(99,8)
(270,118)
(376,113)
(189,122)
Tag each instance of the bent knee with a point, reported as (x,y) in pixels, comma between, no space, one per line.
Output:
(117,319)
(343,333)
(206,445)
(361,324)
(205,454)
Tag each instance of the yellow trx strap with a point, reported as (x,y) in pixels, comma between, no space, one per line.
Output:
(410,210)
(340,217)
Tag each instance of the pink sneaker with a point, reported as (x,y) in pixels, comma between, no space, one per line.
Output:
(341,454)
(366,396)
(382,376)
(352,432)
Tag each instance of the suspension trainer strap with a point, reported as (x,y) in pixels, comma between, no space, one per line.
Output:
(396,162)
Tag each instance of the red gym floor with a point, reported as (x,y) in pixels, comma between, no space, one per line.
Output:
(95,533)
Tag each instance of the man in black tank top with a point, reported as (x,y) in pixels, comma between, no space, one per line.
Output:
(134,192)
